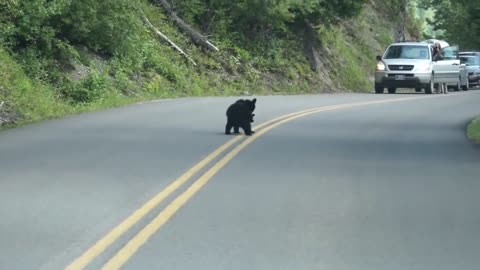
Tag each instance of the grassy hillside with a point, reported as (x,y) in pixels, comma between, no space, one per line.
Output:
(67,58)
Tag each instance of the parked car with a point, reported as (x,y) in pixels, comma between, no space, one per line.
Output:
(466,53)
(472,63)
(411,65)
(463,84)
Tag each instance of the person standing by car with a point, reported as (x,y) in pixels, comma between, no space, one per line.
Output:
(437,55)
(437,51)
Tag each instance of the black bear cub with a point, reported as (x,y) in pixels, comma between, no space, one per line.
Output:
(240,115)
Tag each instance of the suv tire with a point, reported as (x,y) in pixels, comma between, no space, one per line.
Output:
(392,90)
(378,89)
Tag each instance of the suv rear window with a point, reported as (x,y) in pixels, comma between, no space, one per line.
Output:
(407,52)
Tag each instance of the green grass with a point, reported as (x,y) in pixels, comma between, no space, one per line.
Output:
(30,100)
(473,130)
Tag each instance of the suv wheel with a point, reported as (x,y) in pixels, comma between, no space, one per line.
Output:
(429,87)
(378,89)
(418,89)
(392,90)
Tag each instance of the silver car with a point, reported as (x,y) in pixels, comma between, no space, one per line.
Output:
(472,63)
(411,65)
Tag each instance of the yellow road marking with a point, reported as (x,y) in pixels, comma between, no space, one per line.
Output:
(124,254)
(102,244)
(118,231)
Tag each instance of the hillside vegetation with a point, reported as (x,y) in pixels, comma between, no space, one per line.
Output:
(65,56)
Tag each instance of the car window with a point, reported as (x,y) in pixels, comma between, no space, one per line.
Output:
(407,52)
(449,53)
(470,61)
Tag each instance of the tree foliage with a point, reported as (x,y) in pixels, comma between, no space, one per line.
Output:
(108,26)
(460,19)
(113,26)
(30,23)
(253,18)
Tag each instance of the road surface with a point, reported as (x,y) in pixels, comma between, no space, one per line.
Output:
(377,182)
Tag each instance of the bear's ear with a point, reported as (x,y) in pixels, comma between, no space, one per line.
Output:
(254,100)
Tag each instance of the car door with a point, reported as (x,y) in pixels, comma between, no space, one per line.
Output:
(447,66)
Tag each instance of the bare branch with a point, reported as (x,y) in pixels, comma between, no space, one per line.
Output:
(196,37)
(164,37)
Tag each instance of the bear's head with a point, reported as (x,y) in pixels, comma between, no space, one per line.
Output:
(251,104)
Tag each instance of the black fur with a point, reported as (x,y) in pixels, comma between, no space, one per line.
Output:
(240,115)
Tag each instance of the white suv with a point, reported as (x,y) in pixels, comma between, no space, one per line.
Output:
(410,65)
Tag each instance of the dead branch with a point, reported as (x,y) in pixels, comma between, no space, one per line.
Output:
(196,37)
(164,37)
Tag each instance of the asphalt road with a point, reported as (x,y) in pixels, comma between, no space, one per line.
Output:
(392,185)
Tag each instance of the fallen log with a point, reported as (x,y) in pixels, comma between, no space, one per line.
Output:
(164,37)
(195,36)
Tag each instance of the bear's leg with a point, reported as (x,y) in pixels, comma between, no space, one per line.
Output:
(228,127)
(236,129)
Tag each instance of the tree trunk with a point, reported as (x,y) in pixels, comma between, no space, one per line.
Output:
(196,37)
(164,37)
(310,47)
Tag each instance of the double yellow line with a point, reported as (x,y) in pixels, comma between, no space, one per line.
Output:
(129,249)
